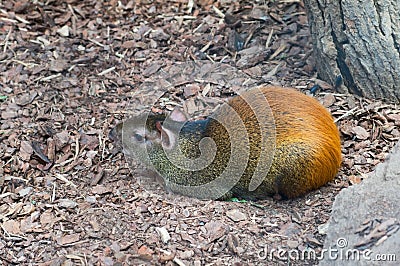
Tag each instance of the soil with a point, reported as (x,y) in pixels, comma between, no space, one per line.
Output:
(70,70)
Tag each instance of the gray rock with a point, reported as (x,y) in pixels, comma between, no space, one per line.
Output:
(365,219)
(235,215)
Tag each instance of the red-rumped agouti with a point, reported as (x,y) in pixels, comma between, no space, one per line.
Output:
(289,138)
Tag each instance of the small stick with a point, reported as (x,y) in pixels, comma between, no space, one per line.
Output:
(348,113)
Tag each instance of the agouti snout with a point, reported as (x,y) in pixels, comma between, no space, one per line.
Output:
(266,141)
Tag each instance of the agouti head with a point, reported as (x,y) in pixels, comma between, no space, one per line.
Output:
(265,142)
(179,150)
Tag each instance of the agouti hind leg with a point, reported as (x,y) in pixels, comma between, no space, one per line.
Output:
(295,171)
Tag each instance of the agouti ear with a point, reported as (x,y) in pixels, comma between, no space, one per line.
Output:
(168,138)
(177,115)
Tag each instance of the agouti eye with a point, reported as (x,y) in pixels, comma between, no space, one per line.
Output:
(138,137)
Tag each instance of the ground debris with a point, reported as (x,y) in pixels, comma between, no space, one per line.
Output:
(70,70)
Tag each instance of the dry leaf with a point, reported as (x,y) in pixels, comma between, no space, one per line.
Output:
(61,139)
(215,230)
(68,239)
(26,150)
(100,189)
(145,252)
(360,132)
(12,227)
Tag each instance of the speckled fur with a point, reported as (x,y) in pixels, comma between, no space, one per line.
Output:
(307,151)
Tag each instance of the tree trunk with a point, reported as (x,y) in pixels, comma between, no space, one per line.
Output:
(358,41)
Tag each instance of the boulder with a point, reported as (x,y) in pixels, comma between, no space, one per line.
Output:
(364,228)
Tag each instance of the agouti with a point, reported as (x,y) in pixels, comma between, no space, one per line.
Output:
(285,143)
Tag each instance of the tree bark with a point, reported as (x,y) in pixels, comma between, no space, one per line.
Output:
(358,41)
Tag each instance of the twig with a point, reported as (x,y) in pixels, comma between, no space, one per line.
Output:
(96,42)
(219,12)
(209,58)
(249,37)
(28,65)
(190,6)
(193,218)
(77,148)
(278,51)
(106,71)
(205,48)
(62,178)
(9,20)
(198,27)
(49,77)
(348,113)
(12,235)
(72,11)
(5,43)
(53,195)
(22,20)
(76,243)
(6,195)
(267,43)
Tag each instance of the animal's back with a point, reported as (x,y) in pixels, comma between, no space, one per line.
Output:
(307,153)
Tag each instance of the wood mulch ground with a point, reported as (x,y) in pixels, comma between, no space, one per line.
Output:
(70,70)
